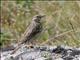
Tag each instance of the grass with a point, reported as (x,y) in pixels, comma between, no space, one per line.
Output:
(61,17)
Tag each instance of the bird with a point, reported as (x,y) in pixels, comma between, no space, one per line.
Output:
(32,30)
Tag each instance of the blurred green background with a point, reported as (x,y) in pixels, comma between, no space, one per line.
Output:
(61,17)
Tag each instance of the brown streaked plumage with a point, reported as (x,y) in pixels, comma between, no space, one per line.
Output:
(33,29)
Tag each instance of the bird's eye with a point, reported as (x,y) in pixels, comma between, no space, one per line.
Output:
(37,16)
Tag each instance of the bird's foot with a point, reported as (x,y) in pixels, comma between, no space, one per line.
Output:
(29,46)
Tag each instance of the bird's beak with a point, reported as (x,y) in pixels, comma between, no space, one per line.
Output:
(43,16)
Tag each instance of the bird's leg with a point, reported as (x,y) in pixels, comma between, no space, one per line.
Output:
(29,44)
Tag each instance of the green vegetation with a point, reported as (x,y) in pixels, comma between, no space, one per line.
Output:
(62,20)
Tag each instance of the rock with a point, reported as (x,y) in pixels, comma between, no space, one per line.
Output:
(59,49)
(43,53)
(59,59)
(41,58)
(68,58)
(8,48)
(75,52)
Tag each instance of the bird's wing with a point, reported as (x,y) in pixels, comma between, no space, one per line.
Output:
(29,31)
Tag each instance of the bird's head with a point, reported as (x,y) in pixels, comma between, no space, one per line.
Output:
(38,18)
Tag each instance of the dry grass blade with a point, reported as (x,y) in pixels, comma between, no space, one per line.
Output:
(56,36)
